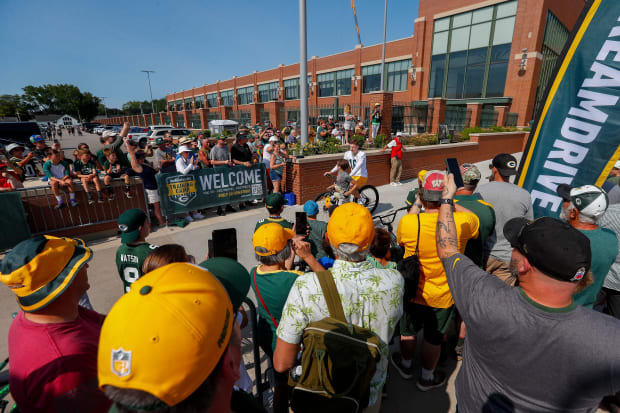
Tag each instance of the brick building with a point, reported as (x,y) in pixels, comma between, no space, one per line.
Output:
(468,62)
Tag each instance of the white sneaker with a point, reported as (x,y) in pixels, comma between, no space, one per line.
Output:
(255,201)
(393,183)
(189,219)
(198,215)
(399,183)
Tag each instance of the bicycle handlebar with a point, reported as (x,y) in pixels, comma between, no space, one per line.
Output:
(391,216)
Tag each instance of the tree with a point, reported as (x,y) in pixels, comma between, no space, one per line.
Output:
(135,107)
(14,106)
(61,99)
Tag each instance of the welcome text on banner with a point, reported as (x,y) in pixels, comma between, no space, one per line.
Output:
(210,187)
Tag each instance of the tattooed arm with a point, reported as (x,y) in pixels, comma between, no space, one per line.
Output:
(447,243)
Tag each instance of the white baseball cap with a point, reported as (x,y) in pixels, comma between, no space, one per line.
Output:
(108,133)
(591,200)
(400,134)
(617,164)
(184,148)
(273,139)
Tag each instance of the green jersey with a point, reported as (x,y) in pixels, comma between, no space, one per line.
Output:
(486,215)
(273,220)
(129,260)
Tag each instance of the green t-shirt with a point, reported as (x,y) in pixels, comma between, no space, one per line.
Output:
(117,168)
(129,260)
(117,147)
(84,168)
(101,157)
(604,246)
(322,129)
(391,265)
(614,179)
(274,287)
(316,236)
(486,215)
(270,220)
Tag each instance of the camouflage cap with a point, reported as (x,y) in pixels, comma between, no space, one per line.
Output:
(471,174)
(243,131)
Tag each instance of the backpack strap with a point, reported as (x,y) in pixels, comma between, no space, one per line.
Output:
(417,243)
(273,320)
(330,292)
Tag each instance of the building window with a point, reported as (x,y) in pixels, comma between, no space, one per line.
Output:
(335,83)
(179,104)
(396,76)
(171,106)
(199,100)
(246,95)
(268,92)
(554,39)
(212,100)
(371,78)
(244,117)
(194,121)
(326,84)
(471,51)
(227,97)
(180,121)
(291,89)
(188,104)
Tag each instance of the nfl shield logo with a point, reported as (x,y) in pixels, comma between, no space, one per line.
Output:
(181,189)
(121,362)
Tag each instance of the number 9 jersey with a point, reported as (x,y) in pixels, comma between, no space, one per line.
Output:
(129,260)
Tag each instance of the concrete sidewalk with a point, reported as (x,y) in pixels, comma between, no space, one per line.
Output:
(106,286)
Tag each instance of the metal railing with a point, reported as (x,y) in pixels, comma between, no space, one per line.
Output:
(511,119)
(39,205)
(488,117)
(457,117)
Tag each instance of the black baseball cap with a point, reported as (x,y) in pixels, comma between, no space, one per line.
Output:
(553,246)
(506,164)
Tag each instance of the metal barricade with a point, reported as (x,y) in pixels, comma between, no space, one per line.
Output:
(43,218)
(253,318)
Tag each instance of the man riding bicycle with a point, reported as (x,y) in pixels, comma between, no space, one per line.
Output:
(357,161)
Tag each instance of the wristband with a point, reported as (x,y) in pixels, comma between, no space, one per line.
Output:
(446,201)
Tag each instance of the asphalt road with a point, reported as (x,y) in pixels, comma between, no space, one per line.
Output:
(106,286)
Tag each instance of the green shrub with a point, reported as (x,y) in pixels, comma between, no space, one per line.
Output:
(420,140)
(207,133)
(380,140)
(526,129)
(226,133)
(192,135)
(465,132)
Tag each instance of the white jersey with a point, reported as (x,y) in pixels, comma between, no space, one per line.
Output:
(357,163)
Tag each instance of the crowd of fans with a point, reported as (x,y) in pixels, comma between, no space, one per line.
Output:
(525,297)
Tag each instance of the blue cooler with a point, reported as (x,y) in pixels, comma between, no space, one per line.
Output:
(290,198)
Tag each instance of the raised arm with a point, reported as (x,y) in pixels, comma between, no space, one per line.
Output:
(446,237)
(135,165)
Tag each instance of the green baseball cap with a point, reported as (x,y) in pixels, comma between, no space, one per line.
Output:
(274,200)
(411,196)
(129,224)
(159,140)
(233,276)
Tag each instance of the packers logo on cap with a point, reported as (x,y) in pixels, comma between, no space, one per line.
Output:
(511,164)
(121,362)
(123,227)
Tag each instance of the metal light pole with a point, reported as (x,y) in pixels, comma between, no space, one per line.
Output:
(148,75)
(383,50)
(303,72)
(104,108)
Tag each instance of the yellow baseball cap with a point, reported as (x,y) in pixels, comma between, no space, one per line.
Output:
(351,223)
(40,269)
(167,334)
(272,237)
(421,174)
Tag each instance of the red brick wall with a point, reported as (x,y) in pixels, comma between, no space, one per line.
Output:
(307,181)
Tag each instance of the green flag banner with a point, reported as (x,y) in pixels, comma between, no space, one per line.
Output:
(209,187)
(575,138)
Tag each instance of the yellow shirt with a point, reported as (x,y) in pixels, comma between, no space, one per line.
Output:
(433,290)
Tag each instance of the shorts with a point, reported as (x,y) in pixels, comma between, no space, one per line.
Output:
(275,177)
(361,181)
(115,175)
(434,321)
(152,195)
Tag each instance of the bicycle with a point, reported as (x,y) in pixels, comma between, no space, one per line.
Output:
(387,222)
(369,197)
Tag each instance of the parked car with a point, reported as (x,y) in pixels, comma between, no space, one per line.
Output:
(177,133)
(140,135)
(104,128)
(90,126)
(18,132)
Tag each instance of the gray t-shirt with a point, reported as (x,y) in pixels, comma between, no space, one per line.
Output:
(509,201)
(316,236)
(611,220)
(218,154)
(520,356)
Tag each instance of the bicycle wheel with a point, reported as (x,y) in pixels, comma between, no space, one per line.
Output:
(369,197)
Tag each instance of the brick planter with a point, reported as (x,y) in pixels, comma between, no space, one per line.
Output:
(305,177)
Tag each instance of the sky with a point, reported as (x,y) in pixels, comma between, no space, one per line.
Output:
(101,46)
